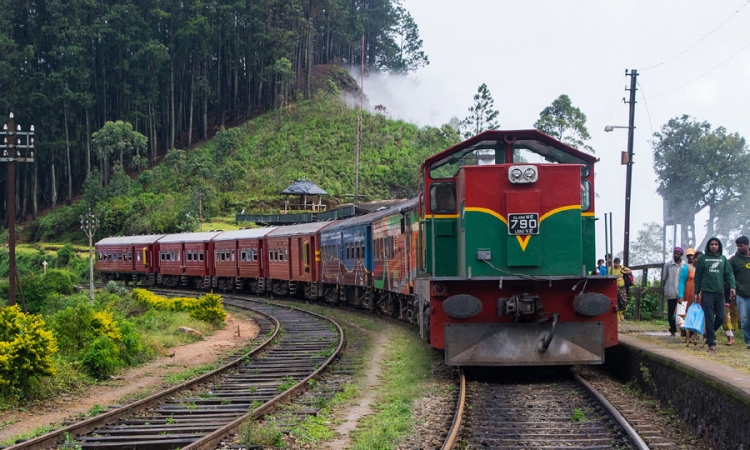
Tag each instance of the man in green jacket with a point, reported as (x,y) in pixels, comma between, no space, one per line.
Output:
(740,263)
(711,272)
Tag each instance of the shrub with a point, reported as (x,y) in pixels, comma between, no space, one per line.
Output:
(94,337)
(64,255)
(26,349)
(102,357)
(209,309)
(38,289)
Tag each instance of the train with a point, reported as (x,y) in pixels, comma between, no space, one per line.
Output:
(493,261)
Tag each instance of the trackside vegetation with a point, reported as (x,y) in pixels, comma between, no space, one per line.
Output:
(71,344)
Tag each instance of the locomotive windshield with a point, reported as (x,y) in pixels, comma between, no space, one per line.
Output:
(493,152)
(481,153)
(532,151)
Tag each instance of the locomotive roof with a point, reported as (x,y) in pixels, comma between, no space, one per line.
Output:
(299,229)
(203,236)
(545,143)
(249,233)
(382,212)
(128,240)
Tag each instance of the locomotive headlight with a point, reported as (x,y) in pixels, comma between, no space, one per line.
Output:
(523,174)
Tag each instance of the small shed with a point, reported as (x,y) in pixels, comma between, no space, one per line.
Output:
(304,188)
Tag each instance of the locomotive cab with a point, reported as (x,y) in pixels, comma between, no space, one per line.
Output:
(508,232)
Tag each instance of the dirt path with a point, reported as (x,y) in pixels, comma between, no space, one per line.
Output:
(350,417)
(131,382)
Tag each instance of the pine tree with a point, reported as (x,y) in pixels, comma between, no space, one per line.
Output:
(482,116)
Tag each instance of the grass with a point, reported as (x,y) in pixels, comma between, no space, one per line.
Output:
(405,376)
(180,377)
(30,435)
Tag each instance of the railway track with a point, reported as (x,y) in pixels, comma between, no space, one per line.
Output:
(540,412)
(292,347)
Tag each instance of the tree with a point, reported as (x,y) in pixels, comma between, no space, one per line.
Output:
(699,168)
(483,115)
(117,137)
(648,245)
(566,123)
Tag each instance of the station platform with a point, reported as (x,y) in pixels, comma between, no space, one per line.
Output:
(711,392)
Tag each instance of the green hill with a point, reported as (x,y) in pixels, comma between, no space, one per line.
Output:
(246,168)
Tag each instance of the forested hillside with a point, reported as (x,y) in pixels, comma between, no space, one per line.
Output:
(246,168)
(177,71)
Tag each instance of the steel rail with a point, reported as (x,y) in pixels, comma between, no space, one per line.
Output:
(450,441)
(631,432)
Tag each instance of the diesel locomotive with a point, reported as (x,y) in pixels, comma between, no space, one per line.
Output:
(491,261)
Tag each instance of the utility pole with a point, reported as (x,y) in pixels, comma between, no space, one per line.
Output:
(633,74)
(17,146)
(359,121)
(89,224)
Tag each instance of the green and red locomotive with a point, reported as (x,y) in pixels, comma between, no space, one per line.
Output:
(508,238)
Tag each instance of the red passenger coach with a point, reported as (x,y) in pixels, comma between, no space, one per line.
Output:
(127,258)
(185,259)
(240,260)
(294,259)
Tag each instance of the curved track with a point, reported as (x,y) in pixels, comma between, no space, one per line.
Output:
(293,346)
(541,412)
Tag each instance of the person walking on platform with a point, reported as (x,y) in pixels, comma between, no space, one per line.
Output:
(670,283)
(687,286)
(712,270)
(740,263)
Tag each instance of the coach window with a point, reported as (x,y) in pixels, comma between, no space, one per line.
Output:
(130,256)
(286,254)
(173,258)
(179,256)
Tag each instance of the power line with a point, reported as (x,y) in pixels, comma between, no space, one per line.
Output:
(704,73)
(645,103)
(699,40)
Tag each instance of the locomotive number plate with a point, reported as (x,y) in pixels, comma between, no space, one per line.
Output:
(521,224)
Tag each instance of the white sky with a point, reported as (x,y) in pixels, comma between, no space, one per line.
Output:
(692,58)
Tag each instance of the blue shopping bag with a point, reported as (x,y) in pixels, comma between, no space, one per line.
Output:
(694,320)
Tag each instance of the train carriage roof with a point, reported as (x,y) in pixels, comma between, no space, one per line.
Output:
(375,215)
(250,233)
(299,229)
(204,236)
(130,240)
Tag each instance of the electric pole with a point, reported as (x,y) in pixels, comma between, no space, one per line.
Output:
(17,146)
(633,74)
(89,224)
